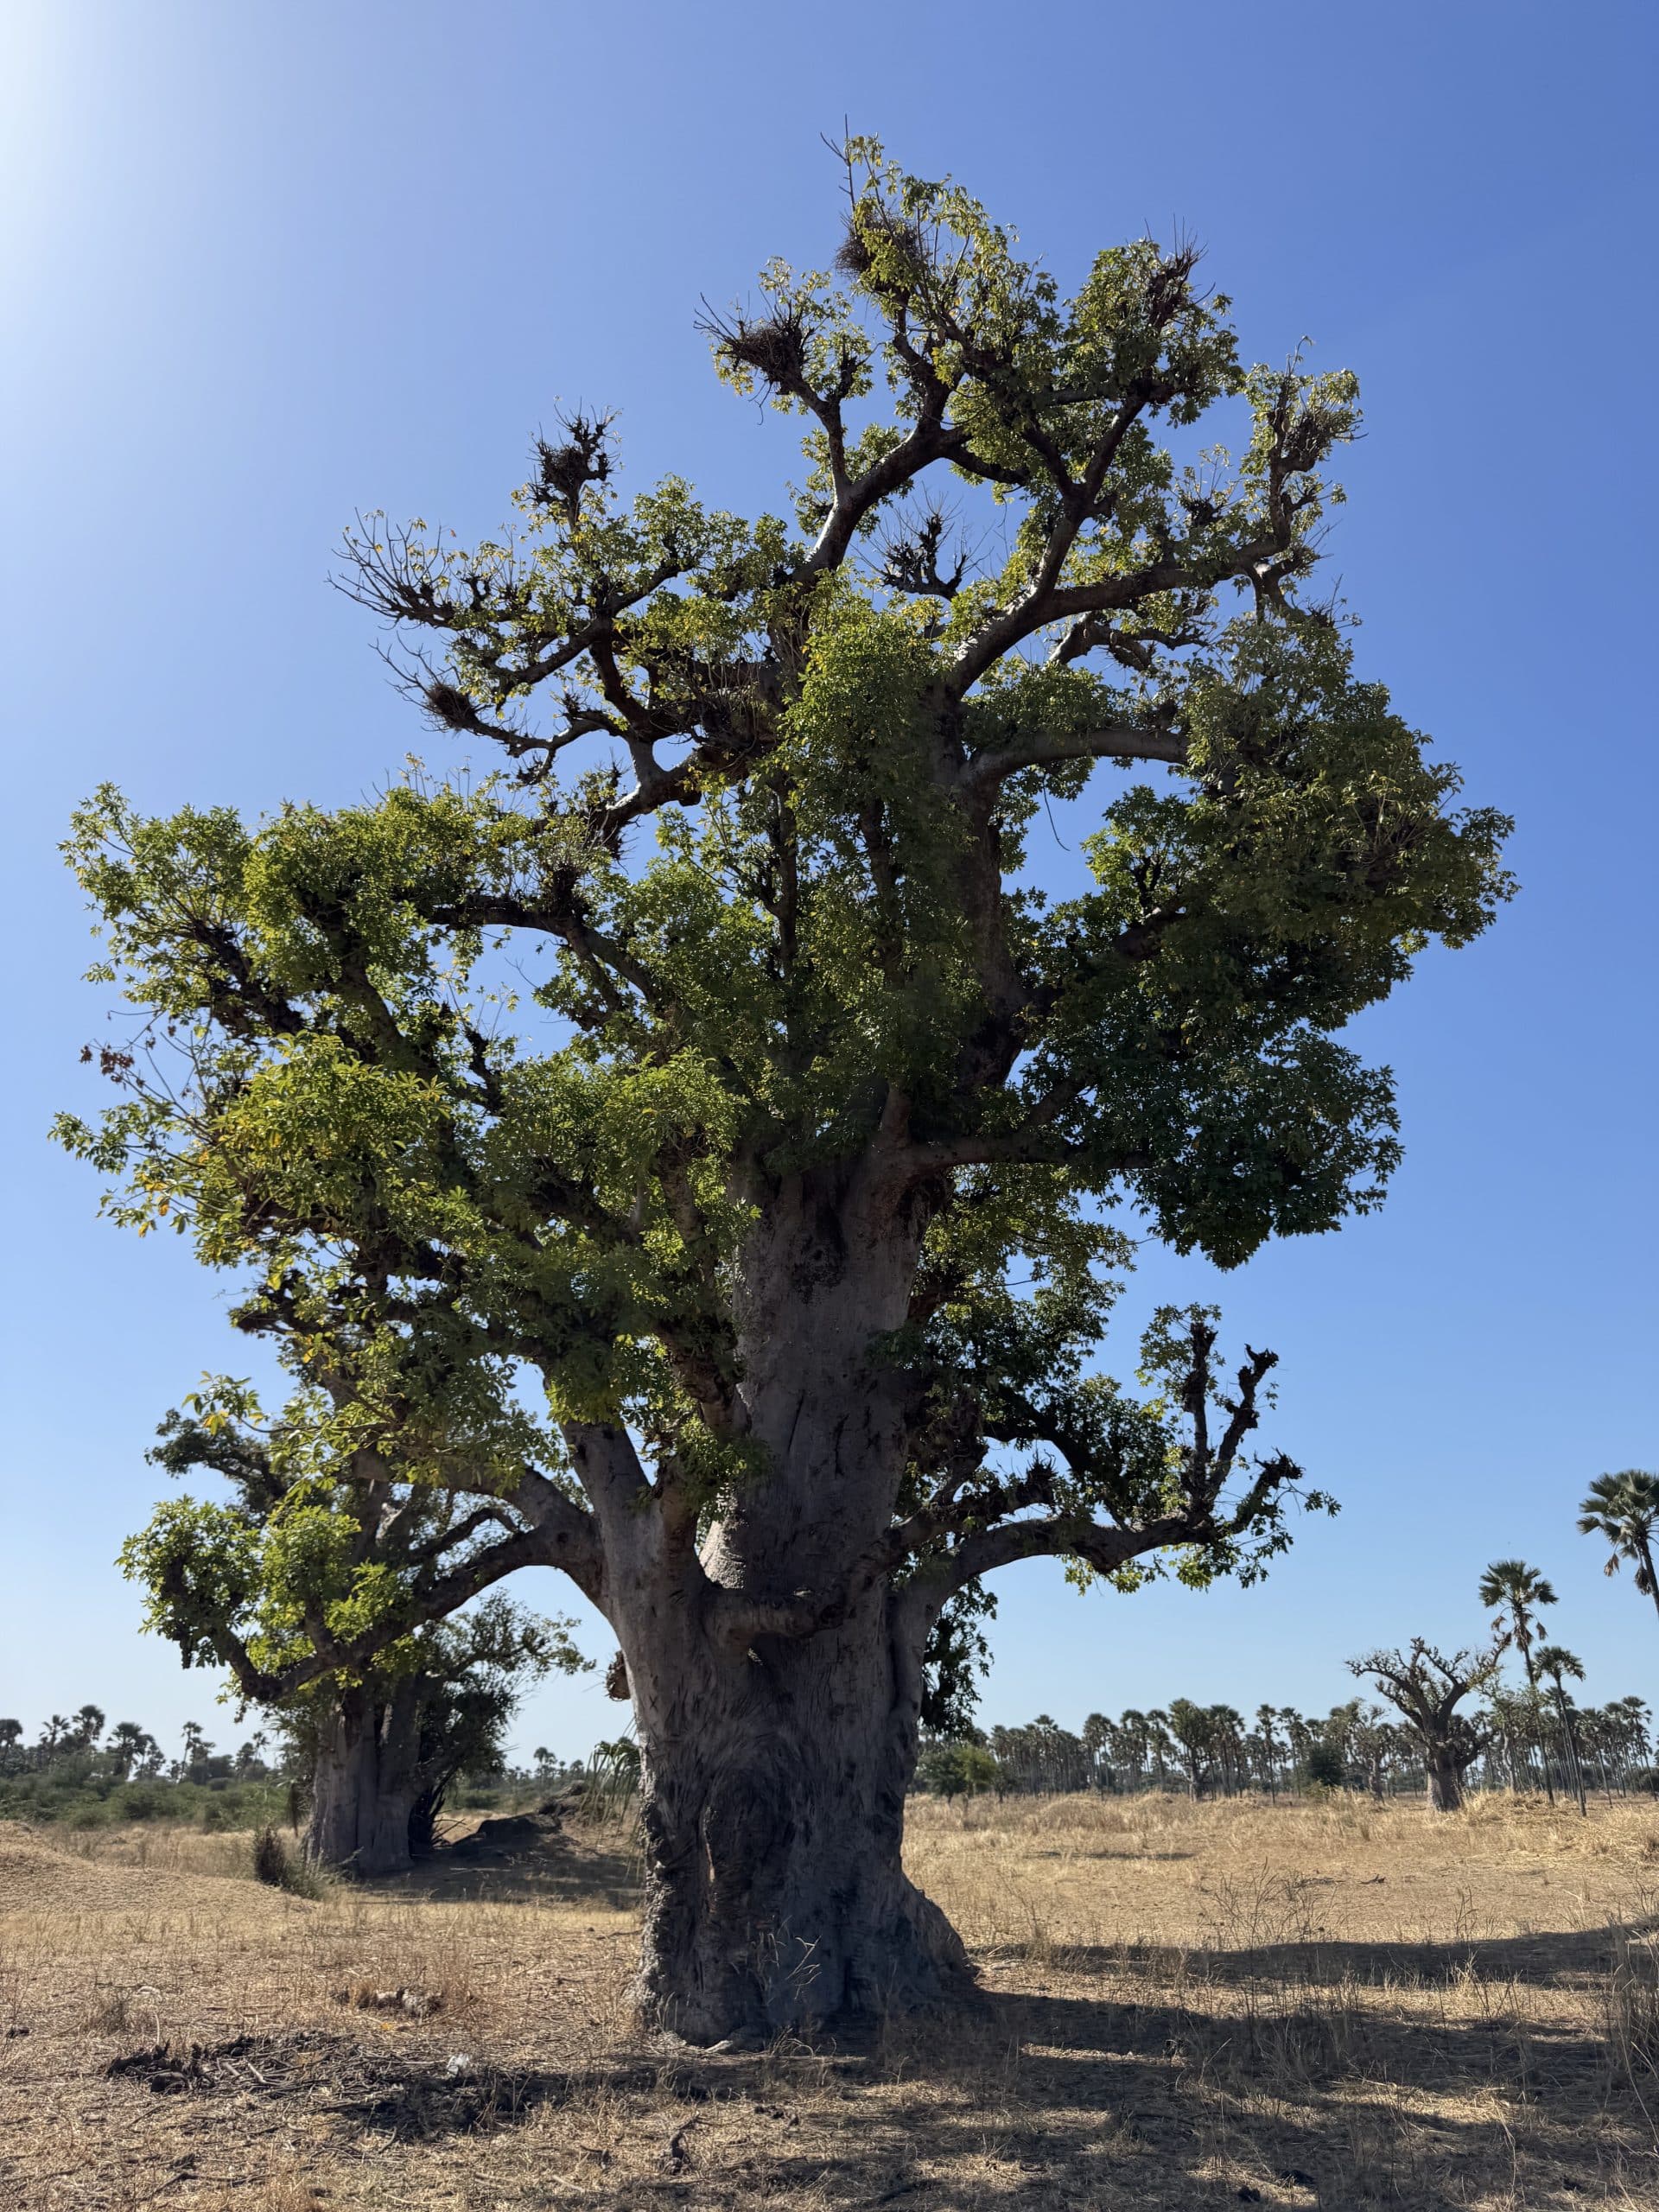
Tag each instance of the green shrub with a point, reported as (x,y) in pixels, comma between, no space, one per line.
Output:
(1324,1768)
(957,1770)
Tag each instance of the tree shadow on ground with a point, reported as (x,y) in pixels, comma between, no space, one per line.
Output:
(1070,2096)
(561,1869)
(1316,2086)
(1316,2072)
(1552,1958)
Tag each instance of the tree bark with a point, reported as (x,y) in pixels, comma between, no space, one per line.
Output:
(773,1782)
(366,1782)
(775,1766)
(1445,1783)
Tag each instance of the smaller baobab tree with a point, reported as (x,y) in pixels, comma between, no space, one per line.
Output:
(1623,1510)
(1425,1686)
(1193,1728)
(1559,1666)
(1510,1587)
(329,1584)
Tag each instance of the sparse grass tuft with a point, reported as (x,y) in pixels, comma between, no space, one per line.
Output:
(283,1869)
(111,2012)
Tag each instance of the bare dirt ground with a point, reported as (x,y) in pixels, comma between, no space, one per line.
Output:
(1181,2006)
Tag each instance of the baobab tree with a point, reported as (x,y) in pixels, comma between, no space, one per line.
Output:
(1622,1509)
(1193,1729)
(794,1208)
(327,1583)
(1510,1587)
(1425,1686)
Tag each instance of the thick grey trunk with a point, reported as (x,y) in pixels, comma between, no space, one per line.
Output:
(1445,1783)
(365,1782)
(773,1800)
(774,1768)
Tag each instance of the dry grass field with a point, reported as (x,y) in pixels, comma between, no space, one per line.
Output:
(1181,2006)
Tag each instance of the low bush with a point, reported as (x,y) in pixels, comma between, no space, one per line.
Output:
(274,1864)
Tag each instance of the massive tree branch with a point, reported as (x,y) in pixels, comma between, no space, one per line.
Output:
(1042,748)
(433,1599)
(607,1466)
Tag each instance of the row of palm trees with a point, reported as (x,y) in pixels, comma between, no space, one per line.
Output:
(1519,1593)
(127,1753)
(1212,1751)
(1622,1509)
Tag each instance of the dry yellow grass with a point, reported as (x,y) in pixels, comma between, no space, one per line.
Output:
(1181,2004)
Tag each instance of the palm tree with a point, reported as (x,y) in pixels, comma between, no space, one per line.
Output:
(1227,1743)
(1623,1510)
(1133,1737)
(88,1726)
(128,1742)
(1510,1585)
(1560,1665)
(1097,1734)
(1265,1717)
(1160,1743)
(1631,1721)
(1299,1738)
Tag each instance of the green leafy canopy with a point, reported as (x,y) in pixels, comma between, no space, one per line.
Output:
(761,851)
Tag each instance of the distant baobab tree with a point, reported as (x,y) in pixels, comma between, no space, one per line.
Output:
(1425,1686)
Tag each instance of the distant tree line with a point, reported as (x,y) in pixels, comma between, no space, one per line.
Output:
(1212,1751)
(1533,1735)
(129,1752)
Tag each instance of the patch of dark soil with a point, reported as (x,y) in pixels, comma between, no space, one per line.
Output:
(408,2098)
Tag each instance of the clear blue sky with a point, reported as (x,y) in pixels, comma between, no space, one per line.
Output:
(266,263)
